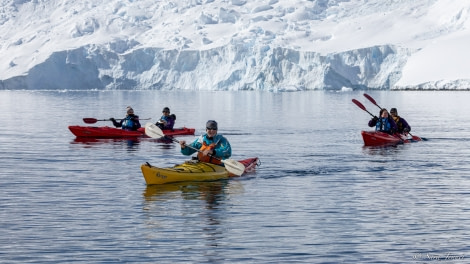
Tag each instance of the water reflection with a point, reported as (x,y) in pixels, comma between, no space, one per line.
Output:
(211,192)
(132,144)
(202,215)
(381,150)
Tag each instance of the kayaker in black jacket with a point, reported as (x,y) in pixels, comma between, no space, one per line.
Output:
(385,123)
(166,121)
(402,125)
(130,122)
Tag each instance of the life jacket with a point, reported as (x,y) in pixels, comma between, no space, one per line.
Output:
(207,158)
(383,125)
(128,123)
(399,123)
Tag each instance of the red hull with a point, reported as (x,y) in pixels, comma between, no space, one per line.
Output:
(375,138)
(111,132)
(250,164)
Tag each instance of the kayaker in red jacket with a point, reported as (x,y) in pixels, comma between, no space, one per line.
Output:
(209,145)
(402,125)
(130,122)
(385,123)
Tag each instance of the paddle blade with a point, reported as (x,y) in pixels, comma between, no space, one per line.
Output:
(153,131)
(359,104)
(234,166)
(90,120)
(370,98)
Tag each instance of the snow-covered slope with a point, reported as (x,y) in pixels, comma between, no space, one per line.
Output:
(234,44)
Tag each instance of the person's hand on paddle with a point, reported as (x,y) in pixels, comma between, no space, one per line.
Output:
(112,119)
(182,144)
(208,152)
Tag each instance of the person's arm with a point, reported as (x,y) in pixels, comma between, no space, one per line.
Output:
(170,123)
(406,126)
(393,125)
(137,124)
(223,150)
(188,149)
(115,123)
(161,120)
(373,121)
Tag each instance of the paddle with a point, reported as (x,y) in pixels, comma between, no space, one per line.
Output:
(362,106)
(375,103)
(90,120)
(232,166)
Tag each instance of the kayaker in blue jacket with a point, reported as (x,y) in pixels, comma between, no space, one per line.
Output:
(166,121)
(130,122)
(402,125)
(209,145)
(385,123)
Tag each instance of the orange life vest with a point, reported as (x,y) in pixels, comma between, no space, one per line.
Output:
(208,158)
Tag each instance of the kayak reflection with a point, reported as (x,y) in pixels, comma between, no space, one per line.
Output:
(211,192)
(131,143)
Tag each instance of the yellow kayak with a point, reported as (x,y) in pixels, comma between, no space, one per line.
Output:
(191,171)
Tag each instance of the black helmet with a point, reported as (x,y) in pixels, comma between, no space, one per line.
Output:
(211,124)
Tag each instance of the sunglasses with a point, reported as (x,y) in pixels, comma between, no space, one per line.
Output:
(211,128)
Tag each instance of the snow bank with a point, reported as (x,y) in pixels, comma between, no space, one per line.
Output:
(234,44)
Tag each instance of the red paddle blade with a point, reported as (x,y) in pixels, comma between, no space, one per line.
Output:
(370,98)
(359,104)
(90,120)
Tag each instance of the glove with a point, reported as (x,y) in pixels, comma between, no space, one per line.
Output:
(112,119)
(406,130)
(375,119)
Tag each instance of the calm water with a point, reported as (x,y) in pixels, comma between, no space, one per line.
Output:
(319,196)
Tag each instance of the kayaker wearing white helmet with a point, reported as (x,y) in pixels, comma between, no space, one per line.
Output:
(210,144)
(130,122)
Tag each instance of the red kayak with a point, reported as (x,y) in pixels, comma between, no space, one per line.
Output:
(376,138)
(111,132)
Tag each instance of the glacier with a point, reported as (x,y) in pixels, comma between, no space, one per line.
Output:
(233,45)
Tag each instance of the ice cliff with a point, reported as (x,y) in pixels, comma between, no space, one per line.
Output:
(229,45)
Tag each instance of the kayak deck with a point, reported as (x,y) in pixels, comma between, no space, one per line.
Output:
(103,132)
(111,132)
(192,171)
